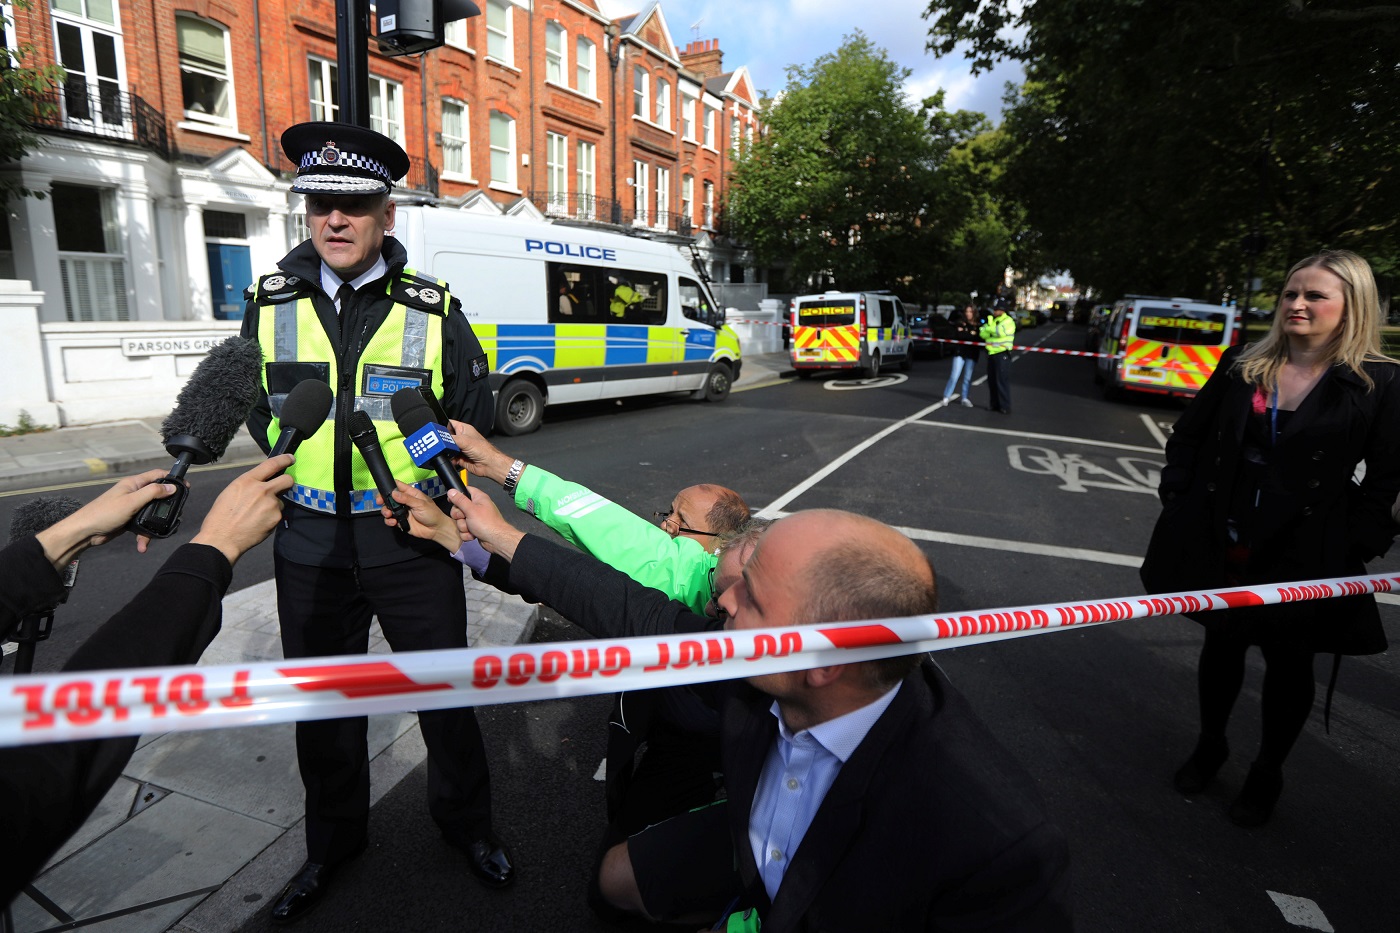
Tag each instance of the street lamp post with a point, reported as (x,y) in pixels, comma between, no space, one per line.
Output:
(613,53)
(352,60)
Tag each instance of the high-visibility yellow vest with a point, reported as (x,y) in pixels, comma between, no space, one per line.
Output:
(998,333)
(405,350)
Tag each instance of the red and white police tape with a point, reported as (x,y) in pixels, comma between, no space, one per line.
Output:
(96,704)
(978,343)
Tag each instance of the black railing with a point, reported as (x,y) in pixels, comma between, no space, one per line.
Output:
(103,110)
(586,207)
(589,208)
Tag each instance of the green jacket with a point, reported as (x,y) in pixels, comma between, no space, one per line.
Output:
(679,567)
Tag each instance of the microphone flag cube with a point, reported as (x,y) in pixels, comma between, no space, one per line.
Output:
(428,442)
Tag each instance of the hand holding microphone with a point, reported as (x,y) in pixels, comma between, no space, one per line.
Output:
(209,410)
(366,440)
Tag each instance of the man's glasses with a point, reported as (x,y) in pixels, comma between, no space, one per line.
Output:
(667,517)
(719,612)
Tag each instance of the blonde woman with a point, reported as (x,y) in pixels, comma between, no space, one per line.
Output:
(1258,488)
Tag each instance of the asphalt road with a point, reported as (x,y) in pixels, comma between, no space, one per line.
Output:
(1052,503)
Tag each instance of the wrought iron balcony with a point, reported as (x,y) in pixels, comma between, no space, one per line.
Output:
(82,108)
(585,207)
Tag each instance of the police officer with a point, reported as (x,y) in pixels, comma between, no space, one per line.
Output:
(999,331)
(624,297)
(343,308)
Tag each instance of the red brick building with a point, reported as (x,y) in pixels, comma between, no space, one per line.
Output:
(168,187)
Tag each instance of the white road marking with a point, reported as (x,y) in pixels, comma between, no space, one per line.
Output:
(1155,431)
(8,647)
(1039,437)
(1073,470)
(769,510)
(1018,547)
(602,773)
(877,382)
(1301,912)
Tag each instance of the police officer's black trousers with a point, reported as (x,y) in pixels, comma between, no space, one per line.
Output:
(998,381)
(420,605)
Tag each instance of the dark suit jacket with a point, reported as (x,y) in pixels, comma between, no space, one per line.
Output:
(931,825)
(49,790)
(1314,522)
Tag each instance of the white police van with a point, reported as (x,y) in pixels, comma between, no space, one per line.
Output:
(573,314)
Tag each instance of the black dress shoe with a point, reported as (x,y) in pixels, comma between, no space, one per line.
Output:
(489,862)
(302,893)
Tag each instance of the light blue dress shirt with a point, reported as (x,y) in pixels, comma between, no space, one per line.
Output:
(799,770)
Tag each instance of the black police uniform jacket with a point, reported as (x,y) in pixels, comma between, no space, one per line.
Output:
(324,540)
(931,824)
(1313,520)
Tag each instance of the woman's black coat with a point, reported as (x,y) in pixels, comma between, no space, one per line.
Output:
(1314,520)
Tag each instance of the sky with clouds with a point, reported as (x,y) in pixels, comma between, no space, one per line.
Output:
(769,35)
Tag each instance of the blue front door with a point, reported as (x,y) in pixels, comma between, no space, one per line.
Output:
(230,271)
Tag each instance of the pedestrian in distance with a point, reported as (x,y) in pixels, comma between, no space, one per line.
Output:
(998,331)
(964,357)
(1258,488)
(341,307)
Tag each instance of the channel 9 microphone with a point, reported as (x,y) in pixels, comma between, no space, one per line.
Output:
(209,410)
(303,412)
(429,444)
(30,519)
(366,440)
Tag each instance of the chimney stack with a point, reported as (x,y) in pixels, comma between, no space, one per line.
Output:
(704,58)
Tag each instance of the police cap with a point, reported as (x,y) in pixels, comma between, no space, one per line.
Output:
(339,158)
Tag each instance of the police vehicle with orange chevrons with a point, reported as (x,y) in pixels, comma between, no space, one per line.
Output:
(849,330)
(1164,346)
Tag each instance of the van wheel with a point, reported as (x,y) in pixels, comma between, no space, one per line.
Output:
(873,369)
(717,384)
(805,374)
(519,408)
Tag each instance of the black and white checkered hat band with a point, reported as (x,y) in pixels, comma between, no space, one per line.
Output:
(345,160)
(338,184)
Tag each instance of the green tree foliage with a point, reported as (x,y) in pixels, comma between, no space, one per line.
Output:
(25,94)
(848,180)
(1149,139)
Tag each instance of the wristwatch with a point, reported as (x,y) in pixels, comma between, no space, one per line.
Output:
(513,477)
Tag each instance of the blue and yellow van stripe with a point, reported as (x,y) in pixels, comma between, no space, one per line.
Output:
(512,347)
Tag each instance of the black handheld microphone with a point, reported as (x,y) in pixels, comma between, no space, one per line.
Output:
(303,412)
(208,413)
(429,444)
(431,400)
(366,439)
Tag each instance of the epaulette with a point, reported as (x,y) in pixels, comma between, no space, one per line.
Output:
(420,291)
(277,288)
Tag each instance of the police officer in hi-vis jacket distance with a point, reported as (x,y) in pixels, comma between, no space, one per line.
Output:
(342,308)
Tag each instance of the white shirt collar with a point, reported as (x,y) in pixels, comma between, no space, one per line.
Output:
(842,735)
(330,282)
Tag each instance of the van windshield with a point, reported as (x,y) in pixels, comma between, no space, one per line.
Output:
(1181,326)
(826,312)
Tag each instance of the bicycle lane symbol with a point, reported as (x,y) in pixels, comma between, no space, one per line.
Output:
(1078,474)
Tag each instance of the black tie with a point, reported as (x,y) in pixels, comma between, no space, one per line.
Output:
(343,296)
